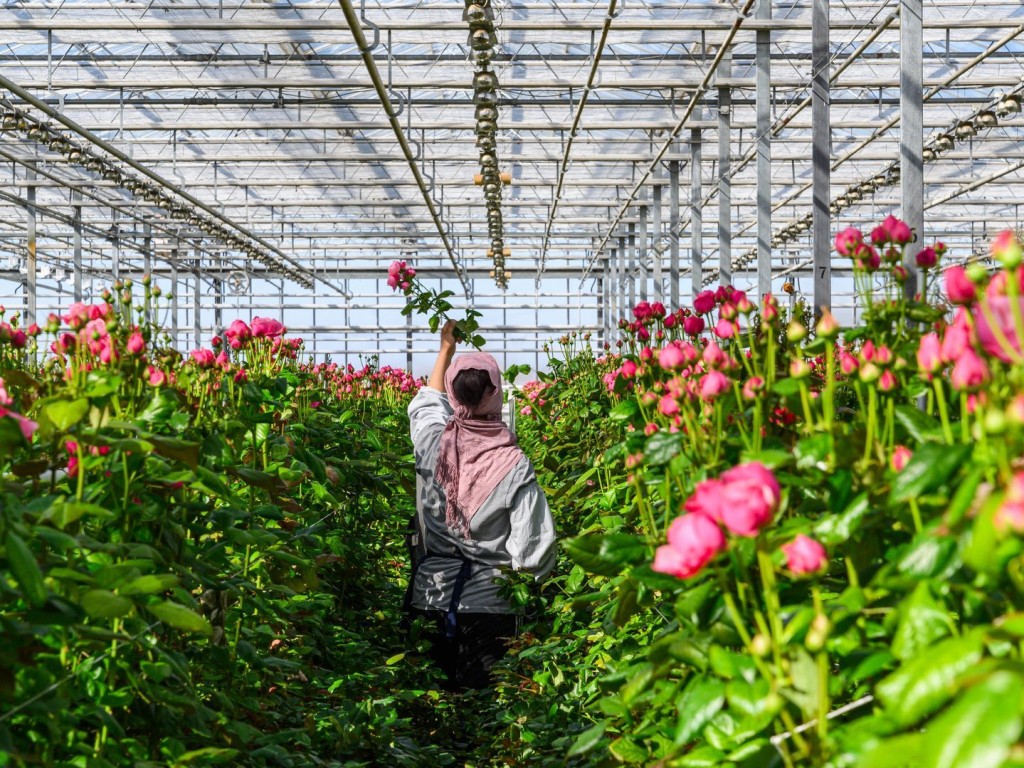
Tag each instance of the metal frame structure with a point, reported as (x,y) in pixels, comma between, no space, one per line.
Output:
(273,157)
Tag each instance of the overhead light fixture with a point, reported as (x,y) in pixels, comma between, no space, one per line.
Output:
(38,132)
(986,119)
(1008,105)
(13,121)
(929,154)
(944,142)
(964,130)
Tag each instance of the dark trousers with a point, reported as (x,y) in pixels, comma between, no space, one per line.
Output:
(481,640)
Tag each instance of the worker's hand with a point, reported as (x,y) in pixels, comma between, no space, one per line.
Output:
(448,339)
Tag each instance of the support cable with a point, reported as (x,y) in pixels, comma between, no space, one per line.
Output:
(563,169)
(704,87)
(95,140)
(365,51)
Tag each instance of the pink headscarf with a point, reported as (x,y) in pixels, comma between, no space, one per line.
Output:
(477,449)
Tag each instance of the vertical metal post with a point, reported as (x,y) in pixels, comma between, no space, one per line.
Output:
(641,256)
(218,307)
(147,249)
(76,202)
(656,244)
(116,253)
(602,303)
(911,130)
(631,236)
(821,240)
(673,225)
(696,217)
(724,185)
(30,244)
(764,152)
(197,326)
(174,292)
(613,288)
(408,342)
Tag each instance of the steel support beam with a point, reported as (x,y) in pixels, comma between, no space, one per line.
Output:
(76,201)
(821,240)
(657,248)
(911,131)
(631,229)
(763,144)
(30,246)
(673,225)
(724,186)
(641,255)
(696,216)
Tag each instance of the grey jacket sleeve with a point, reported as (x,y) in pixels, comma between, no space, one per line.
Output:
(531,541)
(429,413)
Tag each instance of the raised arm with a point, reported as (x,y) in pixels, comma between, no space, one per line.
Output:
(444,357)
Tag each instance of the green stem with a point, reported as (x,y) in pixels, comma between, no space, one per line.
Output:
(940,400)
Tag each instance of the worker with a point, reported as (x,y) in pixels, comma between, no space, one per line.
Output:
(480,513)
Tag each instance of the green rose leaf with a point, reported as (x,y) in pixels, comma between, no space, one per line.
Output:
(700,701)
(607,554)
(64,414)
(927,682)
(979,729)
(931,465)
(25,569)
(587,740)
(103,604)
(180,617)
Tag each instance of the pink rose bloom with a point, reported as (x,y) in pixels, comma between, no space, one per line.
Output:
(671,358)
(1009,516)
(396,268)
(712,385)
(236,343)
(849,241)
(77,315)
(714,357)
(900,232)
(848,364)
(136,344)
(959,287)
(657,309)
(900,456)
(750,496)
(223,360)
(725,329)
(693,540)
(642,311)
(969,372)
(204,358)
(95,329)
(393,282)
(804,555)
(706,500)
(266,327)
(1006,248)
(704,302)
(887,382)
(957,337)
(880,235)
(693,325)
(929,354)
(107,352)
(926,258)
(668,406)
(157,378)
(628,369)
(1001,309)
(238,330)
(751,387)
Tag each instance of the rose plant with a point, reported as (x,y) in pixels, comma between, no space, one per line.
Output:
(433,303)
(803,548)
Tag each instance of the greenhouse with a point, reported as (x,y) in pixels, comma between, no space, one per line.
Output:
(512,383)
